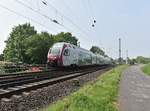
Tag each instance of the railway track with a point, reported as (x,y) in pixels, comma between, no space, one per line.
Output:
(24,73)
(15,86)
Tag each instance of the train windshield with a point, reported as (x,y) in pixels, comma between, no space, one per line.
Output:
(55,50)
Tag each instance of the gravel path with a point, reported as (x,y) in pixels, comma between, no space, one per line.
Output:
(134,92)
(42,97)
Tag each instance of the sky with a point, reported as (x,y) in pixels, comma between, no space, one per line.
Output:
(125,19)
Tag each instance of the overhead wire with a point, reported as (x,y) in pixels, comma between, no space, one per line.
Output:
(86,8)
(69,9)
(68,19)
(92,13)
(91,8)
(26,17)
(53,20)
(45,16)
(72,12)
(36,11)
(57,12)
(38,6)
(65,3)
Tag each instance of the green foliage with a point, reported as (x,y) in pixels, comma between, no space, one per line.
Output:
(15,48)
(98,96)
(26,45)
(3,66)
(97,50)
(142,60)
(65,37)
(37,47)
(146,69)
(1,57)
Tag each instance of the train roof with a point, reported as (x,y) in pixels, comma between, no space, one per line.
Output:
(71,45)
(74,46)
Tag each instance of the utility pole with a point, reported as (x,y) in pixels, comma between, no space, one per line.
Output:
(119,60)
(126,56)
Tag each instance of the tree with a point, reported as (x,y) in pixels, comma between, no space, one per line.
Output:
(37,47)
(97,50)
(1,57)
(65,37)
(141,59)
(26,45)
(15,48)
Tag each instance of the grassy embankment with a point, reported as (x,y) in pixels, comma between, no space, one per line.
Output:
(146,69)
(98,96)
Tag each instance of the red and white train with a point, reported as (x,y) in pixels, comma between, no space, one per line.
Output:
(64,54)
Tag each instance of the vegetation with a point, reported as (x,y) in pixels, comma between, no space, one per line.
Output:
(146,69)
(37,47)
(15,48)
(140,60)
(26,45)
(97,50)
(65,37)
(3,66)
(1,57)
(98,96)
(143,60)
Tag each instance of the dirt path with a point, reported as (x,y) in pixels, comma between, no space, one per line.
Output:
(134,94)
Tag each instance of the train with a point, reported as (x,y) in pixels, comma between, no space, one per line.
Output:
(64,54)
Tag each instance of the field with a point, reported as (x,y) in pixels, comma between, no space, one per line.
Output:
(95,96)
(146,69)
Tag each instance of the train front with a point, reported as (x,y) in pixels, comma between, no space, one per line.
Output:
(54,55)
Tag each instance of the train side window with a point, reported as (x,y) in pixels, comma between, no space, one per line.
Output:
(66,52)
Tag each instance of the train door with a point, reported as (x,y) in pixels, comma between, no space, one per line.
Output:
(66,57)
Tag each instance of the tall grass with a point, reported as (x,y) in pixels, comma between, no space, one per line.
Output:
(146,69)
(98,96)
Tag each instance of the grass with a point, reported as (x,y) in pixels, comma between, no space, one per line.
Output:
(95,96)
(146,69)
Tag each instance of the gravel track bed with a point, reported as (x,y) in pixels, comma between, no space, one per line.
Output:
(34,100)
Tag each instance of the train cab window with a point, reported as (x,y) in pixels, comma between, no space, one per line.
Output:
(66,52)
(49,51)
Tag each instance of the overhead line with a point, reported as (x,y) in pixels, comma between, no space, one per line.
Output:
(10,10)
(70,9)
(45,16)
(86,8)
(90,6)
(80,29)
(52,20)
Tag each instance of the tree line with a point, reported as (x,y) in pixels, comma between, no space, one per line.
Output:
(26,45)
(140,59)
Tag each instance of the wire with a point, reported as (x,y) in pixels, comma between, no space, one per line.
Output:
(10,10)
(68,19)
(72,12)
(52,20)
(38,6)
(92,15)
(91,8)
(86,8)
(45,16)
(68,7)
